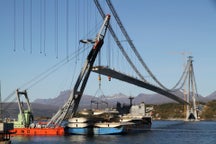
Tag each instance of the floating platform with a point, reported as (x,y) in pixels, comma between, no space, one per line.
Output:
(38,131)
(96,130)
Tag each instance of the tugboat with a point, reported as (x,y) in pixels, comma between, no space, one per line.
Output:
(25,124)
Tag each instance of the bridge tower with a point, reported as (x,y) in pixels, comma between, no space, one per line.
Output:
(191,94)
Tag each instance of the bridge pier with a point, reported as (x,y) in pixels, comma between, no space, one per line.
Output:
(191,115)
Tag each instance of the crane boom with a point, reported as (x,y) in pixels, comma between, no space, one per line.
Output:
(76,94)
(25,117)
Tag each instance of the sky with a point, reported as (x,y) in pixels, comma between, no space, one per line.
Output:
(37,35)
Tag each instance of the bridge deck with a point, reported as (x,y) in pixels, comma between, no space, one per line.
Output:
(123,77)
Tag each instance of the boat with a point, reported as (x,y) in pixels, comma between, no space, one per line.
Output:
(109,128)
(25,124)
(99,125)
(129,119)
(122,120)
(100,128)
(139,116)
(79,125)
(38,131)
(96,122)
(112,128)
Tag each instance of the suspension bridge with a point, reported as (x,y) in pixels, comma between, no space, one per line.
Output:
(187,79)
(187,75)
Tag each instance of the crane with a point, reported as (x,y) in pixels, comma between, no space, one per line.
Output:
(71,105)
(25,116)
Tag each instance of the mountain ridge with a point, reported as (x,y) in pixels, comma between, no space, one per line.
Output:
(48,107)
(119,97)
(212,96)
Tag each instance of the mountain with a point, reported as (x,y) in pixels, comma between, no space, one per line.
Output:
(62,98)
(152,99)
(212,96)
(86,100)
(57,101)
(48,107)
(42,110)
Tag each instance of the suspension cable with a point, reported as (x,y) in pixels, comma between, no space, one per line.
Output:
(9,96)
(67,29)
(135,50)
(118,42)
(44,25)
(30,26)
(52,69)
(40,26)
(182,78)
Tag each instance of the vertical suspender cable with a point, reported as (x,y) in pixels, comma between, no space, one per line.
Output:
(14,25)
(108,50)
(77,25)
(83,19)
(67,29)
(99,63)
(23,24)
(75,28)
(87,19)
(44,27)
(56,27)
(40,26)
(30,26)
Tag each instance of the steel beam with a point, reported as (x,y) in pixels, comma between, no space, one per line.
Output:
(123,77)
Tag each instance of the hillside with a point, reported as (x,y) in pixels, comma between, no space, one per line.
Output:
(212,96)
(177,111)
(47,107)
(163,109)
(169,111)
(209,111)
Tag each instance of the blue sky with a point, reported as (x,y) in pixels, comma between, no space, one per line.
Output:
(160,30)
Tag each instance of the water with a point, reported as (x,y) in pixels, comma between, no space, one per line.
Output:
(162,132)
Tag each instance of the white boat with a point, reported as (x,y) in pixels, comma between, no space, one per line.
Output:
(108,124)
(77,119)
(78,125)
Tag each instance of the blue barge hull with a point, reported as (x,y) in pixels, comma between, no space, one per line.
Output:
(95,131)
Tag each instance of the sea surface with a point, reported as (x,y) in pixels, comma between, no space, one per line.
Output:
(162,132)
